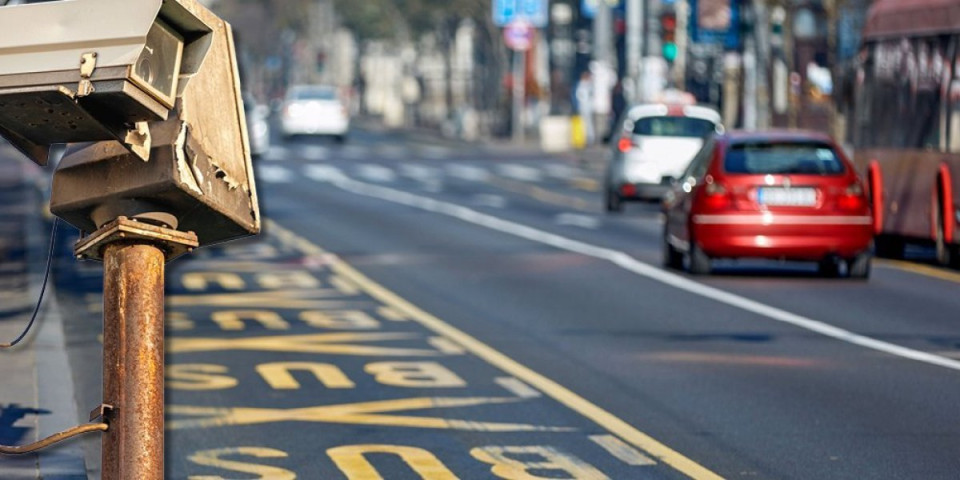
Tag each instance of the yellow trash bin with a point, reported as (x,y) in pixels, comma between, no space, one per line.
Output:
(578,132)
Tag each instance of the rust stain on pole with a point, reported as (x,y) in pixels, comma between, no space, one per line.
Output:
(133,361)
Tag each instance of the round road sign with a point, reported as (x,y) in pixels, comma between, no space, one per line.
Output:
(518,35)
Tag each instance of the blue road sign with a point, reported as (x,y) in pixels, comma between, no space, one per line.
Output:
(728,35)
(588,8)
(533,11)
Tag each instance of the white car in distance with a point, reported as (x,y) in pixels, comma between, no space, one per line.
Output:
(315,110)
(654,145)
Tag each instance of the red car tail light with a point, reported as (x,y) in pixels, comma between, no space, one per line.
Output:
(716,196)
(628,190)
(853,199)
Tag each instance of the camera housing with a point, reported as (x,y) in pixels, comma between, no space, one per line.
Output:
(196,174)
(89,70)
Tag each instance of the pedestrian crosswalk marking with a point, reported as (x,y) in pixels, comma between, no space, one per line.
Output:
(520,172)
(274,174)
(468,172)
(376,173)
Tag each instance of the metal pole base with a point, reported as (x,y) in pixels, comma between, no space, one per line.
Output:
(134,254)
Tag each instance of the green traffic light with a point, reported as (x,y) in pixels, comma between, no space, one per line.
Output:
(670,51)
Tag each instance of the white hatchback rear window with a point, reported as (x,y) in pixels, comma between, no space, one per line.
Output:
(673,127)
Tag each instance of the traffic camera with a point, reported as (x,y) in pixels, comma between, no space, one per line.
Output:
(88,70)
(147,94)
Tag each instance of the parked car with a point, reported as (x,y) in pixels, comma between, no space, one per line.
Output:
(779,195)
(315,110)
(258,125)
(654,145)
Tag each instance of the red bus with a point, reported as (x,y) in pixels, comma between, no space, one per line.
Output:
(905,125)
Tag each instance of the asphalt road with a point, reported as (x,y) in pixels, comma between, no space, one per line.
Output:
(425,309)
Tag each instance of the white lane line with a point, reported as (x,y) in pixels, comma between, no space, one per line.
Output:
(275,153)
(488,200)
(517,387)
(626,262)
(468,172)
(323,173)
(577,220)
(376,173)
(274,174)
(622,451)
(520,172)
(315,153)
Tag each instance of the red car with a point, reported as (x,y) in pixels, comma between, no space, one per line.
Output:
(788,195)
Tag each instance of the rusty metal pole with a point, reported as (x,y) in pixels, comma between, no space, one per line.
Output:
(133,360)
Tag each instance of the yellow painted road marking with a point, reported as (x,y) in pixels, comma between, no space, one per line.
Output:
(556,391)
(921,269)
(584,183)
(363,413)
(320,343)
(266,299)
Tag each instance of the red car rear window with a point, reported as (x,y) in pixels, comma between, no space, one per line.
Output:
(783,158)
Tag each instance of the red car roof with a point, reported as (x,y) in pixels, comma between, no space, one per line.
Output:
(776,135)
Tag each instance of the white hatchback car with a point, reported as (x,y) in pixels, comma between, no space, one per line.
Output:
(315,110)
(654,145)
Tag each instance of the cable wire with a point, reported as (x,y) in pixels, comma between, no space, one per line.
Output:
(43,287)
(52,439)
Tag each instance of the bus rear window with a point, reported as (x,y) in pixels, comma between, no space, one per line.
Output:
(673,127)
(801,158)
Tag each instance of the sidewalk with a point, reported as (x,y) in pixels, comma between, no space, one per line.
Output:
(36,387)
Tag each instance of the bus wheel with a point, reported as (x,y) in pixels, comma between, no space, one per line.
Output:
(948,254)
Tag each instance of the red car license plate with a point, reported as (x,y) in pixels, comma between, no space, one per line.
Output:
(787,197)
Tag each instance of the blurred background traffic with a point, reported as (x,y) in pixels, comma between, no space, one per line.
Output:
(451,65)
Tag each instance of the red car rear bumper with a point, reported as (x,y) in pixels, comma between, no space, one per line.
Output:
(797,237)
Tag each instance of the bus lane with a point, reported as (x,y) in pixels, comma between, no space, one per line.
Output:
(285,362)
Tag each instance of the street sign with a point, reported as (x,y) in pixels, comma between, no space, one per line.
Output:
(588,8)
(518,35)
(533,11)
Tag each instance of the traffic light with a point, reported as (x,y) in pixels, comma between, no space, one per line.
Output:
(668,35)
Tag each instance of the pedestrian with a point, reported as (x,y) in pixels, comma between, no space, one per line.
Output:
(584,98)
(618,103)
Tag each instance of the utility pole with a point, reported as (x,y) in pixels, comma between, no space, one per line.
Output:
(635,42)
(603,34)
(519,92)
(680,64)
(761,29)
